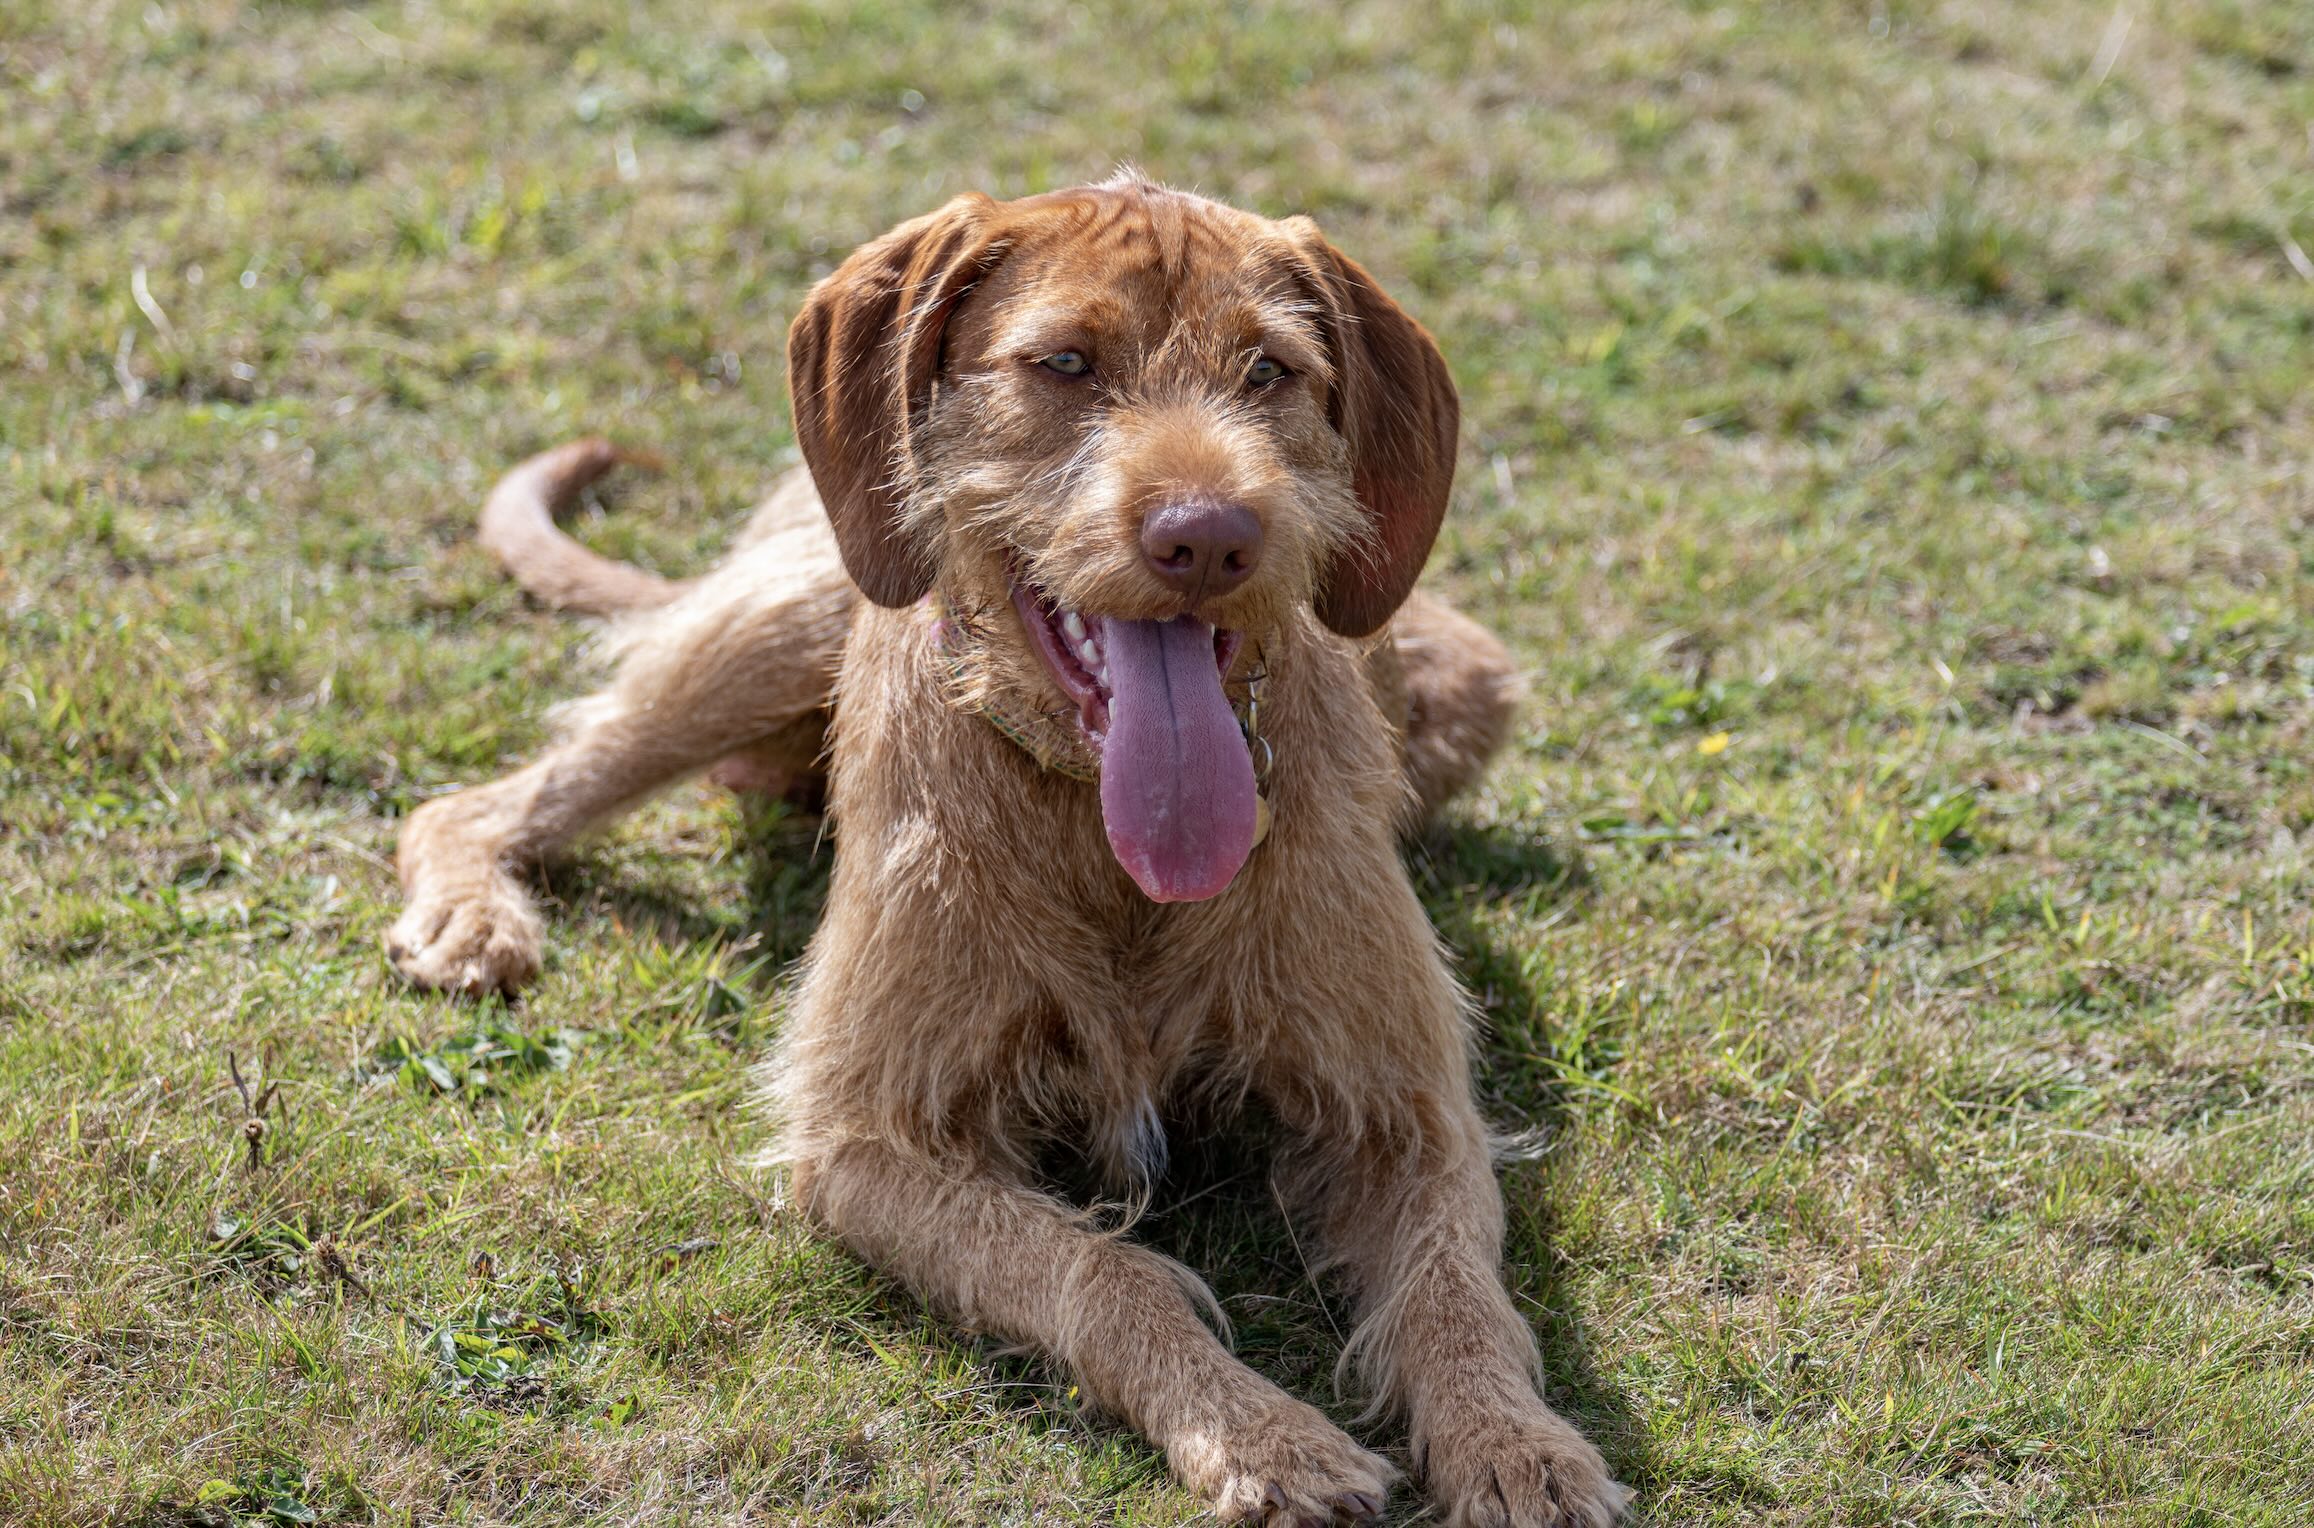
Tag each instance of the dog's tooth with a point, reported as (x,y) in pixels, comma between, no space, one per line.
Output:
(1074,625)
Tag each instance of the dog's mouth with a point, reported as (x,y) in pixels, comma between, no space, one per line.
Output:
(1177,786)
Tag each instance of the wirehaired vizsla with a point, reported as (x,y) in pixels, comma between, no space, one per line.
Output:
(1096,608)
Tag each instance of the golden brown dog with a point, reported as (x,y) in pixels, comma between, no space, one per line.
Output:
(1136,487)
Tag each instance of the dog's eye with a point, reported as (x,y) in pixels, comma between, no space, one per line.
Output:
(1069,363)
(1266,370)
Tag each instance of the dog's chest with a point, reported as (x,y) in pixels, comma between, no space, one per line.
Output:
(1163,1019)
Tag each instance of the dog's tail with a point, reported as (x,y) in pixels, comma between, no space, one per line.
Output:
(518,529)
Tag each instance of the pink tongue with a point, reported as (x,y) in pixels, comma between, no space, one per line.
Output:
(1176,780)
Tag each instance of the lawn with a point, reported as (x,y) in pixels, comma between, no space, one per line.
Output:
(1886,445)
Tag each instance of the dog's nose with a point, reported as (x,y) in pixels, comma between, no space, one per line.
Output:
(1202,546)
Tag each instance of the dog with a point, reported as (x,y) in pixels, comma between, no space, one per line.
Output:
(1094,603)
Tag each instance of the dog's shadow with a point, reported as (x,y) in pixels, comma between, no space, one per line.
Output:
(781,857)
(1484,886)
(1220,1217)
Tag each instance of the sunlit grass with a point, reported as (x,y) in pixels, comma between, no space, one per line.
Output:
(1886,445)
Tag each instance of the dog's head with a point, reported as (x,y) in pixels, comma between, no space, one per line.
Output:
(1153,425)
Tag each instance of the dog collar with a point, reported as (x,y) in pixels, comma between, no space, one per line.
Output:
(1051,737)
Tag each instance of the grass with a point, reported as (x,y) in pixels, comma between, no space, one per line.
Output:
(1887,446)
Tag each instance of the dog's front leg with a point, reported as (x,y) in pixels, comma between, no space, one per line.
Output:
(1024,1267)
(1410,1212)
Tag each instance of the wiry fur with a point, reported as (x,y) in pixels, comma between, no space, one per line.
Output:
(987,985)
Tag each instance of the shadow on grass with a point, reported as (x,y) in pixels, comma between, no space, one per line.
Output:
(1481,885)
(1217,1212)
(783,860)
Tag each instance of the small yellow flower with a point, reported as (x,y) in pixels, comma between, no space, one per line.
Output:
(1716,743)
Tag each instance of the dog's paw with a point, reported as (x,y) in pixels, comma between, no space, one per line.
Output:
(1529,1470)
(1288,1468)
(478,939)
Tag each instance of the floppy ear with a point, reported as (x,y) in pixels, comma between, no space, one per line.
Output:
(1393,401)
(862,357)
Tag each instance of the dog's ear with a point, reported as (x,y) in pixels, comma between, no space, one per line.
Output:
(862,358)
(1393,401)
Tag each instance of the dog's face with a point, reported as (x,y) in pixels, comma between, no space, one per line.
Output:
(1152,426)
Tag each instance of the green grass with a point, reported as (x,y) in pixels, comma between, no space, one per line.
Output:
(1887,444)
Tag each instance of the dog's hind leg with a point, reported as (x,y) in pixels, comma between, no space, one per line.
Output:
(1459,686)
(741,663)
